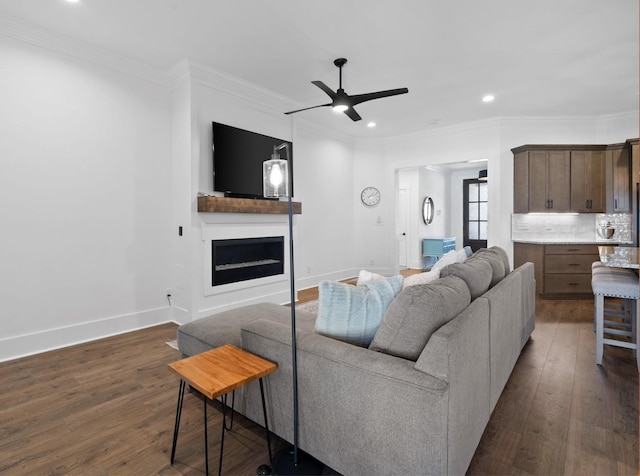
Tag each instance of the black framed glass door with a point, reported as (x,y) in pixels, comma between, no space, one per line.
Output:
(475,214)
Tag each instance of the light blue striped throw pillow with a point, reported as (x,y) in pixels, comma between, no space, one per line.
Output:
(353,313)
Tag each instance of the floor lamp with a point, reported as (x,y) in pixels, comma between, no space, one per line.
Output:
(277,183)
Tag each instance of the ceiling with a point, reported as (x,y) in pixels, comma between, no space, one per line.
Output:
(539,58)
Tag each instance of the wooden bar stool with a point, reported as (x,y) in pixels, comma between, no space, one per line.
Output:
(619,319)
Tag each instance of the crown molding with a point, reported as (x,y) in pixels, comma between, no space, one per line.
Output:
(62,44)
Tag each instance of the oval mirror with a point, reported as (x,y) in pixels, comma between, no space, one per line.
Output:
(427,210)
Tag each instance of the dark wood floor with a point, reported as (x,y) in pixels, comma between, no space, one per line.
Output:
(107,408)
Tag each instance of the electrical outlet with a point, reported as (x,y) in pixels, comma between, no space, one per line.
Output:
(308,269)
(372,262)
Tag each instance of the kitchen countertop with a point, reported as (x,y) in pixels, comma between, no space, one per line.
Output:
(619,256)
(573,241)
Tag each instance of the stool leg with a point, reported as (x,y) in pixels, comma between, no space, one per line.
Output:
(599,300)
(633,312)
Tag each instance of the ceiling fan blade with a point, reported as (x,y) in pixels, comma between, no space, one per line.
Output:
(351,112)
(325,88)
(307,108)
(360,98)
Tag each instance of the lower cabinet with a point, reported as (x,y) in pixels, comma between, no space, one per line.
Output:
(562,271)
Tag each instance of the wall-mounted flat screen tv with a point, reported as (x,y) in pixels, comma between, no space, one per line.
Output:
(237,160)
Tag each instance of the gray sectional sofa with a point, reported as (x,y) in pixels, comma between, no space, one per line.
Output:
(366,411)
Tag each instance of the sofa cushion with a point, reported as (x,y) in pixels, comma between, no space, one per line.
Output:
(495,260)
(416,313)
(353,313)
(475,273)
(223,328)
(505,258)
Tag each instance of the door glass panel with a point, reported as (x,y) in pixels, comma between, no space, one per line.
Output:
(483,230)
(473,212)
(484,195)
(483,211)
(473,231)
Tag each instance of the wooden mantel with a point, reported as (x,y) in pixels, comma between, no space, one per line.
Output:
(246,205)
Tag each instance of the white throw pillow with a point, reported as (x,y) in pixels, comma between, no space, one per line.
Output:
(461,255)
(365,276)
(448,258)
(421,278)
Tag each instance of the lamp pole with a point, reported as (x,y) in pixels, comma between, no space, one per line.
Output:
(290,461)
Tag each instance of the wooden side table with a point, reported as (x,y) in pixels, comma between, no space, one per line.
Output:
(214,374)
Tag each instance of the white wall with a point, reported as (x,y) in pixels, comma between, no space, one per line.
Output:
(374,227)
(85,193)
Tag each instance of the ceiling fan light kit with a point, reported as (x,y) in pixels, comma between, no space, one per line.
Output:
(342,102)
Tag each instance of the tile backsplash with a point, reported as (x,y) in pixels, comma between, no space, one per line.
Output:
(569,227)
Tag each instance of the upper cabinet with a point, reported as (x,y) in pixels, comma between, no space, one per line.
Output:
(588,181)
(572,178)
(618,178)
(549,175)
(541,179)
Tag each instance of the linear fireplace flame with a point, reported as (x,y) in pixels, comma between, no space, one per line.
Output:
(243,259)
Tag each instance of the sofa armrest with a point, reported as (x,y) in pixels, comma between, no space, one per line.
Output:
(527,272)
(361,412)
(459,353)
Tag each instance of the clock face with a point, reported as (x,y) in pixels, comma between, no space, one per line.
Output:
(370,196)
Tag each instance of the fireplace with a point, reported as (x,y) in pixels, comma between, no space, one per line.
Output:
(242,259)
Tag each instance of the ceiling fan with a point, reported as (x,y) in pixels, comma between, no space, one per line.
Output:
(342,102)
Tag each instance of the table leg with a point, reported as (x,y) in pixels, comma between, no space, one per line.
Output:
(233,402)
(266,425)
(176,426)
(206,439)
(224,419)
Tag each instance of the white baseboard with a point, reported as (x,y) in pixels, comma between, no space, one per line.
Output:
(51,339)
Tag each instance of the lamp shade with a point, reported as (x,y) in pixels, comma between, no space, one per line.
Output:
(275,177)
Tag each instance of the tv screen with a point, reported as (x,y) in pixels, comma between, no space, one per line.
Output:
(237,160)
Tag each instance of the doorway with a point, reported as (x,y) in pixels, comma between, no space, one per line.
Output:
(402,219)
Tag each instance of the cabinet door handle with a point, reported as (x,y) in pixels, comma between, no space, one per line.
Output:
(551,203)
(615,203)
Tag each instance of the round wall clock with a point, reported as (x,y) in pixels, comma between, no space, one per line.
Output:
(370,196)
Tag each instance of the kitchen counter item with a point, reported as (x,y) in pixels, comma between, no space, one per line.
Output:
(605,231)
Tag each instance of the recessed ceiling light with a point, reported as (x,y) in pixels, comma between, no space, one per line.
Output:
(371,124)
(73,1)
(488,98)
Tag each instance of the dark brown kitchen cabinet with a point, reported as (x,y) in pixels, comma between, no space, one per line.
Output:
(562,271)
(542,180)
(588,181)
(567,270)
(618,178)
